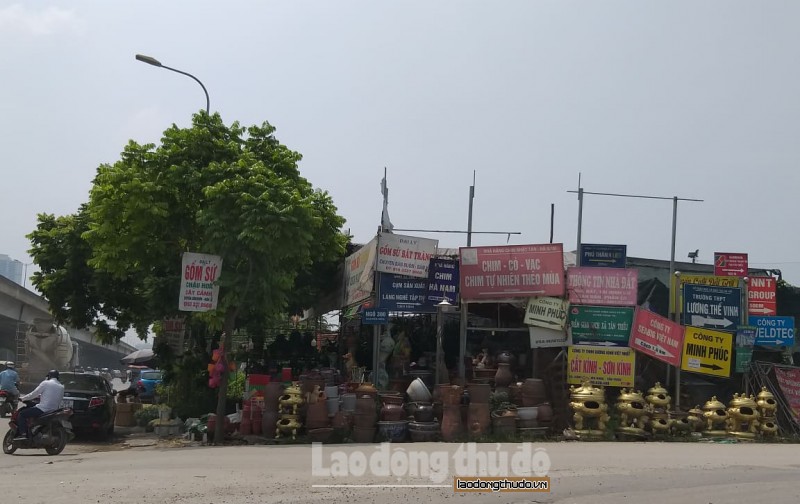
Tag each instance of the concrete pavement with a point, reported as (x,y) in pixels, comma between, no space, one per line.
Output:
(581,473)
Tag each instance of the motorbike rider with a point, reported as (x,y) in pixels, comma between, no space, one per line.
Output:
(51,392)
(9,380)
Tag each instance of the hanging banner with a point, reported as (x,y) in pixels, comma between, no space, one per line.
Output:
(547,312)
(512,271)
(199,289)
(602,286)
(657,336)
(603,256)
(789,382)
(548,338)
(608,367)
(404,294)
(762,296)
(359,272)
(694,279)
(405,255)
(443,281)
(174,330)
(708,352)
(600,324)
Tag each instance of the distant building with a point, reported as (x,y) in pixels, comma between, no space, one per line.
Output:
(11,268)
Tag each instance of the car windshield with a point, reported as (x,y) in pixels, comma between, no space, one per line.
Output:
(82,382)
(152,375)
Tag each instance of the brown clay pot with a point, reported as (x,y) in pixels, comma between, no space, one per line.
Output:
(272,394)
(479,393)
(451,422)
(363,435)
(269,420)
(478,419)
(503,377)
(438,411)
(424,413)
(365,404)
(342,420)
(505,357)
(451,395)
(317,415)
(545,412)
(392,412)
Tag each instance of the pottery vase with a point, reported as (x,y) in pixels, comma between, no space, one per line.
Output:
(503,377)
(451,422)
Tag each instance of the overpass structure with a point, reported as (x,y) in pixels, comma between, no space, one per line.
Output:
(22,309)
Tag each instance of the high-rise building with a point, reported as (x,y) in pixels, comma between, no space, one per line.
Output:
(11,268)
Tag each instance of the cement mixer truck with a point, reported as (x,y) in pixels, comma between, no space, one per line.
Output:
(44,346)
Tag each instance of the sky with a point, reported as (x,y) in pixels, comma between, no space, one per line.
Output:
(691,99)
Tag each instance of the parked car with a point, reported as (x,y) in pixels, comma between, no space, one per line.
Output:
(146,386)
(91,398)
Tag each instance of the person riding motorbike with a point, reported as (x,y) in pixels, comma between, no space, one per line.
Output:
(9,380)
(51,392)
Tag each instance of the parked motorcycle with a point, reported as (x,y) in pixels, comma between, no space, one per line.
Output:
(8,403)
(51,432)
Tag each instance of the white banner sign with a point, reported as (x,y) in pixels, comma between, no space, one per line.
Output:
(405,255)
(359,269)
(543,338)
(548,312)
(199,275)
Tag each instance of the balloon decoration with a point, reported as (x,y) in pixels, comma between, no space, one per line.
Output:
(217,366)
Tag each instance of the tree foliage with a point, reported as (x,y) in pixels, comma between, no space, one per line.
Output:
(212,188)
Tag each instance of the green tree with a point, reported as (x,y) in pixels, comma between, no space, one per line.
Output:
(212,188)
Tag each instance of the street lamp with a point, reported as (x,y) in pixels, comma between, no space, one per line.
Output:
(152,61)
(443,306)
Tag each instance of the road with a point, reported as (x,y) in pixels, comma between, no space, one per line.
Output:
(586,472)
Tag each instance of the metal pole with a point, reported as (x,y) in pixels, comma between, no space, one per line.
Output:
(580,222)
(462,332)
(208,102)
(439,330)
(552,217)
(469,217)
(677,297)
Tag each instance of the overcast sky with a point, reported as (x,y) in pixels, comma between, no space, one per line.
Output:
(690,99)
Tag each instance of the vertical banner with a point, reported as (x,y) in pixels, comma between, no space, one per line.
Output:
(359,268)
(174,330)
(199,275)
(443,281)
(789,382)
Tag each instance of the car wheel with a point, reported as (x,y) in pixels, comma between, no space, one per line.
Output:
(8,442)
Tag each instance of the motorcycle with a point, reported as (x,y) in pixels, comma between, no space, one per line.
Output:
(8,403)
(51,431)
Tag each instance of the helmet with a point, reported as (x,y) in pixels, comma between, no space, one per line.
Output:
(53,374)
(10,365)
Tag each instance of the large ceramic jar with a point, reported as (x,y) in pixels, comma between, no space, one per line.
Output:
(503,377)
(505,357)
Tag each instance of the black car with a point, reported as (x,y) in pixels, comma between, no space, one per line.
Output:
(91,398)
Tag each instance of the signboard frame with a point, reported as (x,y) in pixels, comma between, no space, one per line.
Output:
(199,291)
(707,351)
(657,336)
(711,298)
(730,264)
(592,363)
(405,255)
(603,256)
(547,312)
(600,324)
(762,339)
(603,286)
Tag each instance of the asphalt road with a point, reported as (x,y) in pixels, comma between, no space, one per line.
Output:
(580,473)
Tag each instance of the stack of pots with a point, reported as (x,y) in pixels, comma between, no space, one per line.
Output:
(452,427)
(365,419)
(269,417)
(290,404)
(479,421)
(534,393)
(332,401)
(424,427)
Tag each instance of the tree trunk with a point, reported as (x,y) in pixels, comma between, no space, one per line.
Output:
(222,397)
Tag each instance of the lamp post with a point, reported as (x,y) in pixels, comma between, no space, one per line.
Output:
(152,61)
(443,306)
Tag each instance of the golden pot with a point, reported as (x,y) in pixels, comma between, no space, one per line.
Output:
(631,407)
(294,389)
(660,425)
(695,418)
(769,428)
(715,414)
(587,392)
(742,410)
(658,396)
(287,426)
(766,402)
